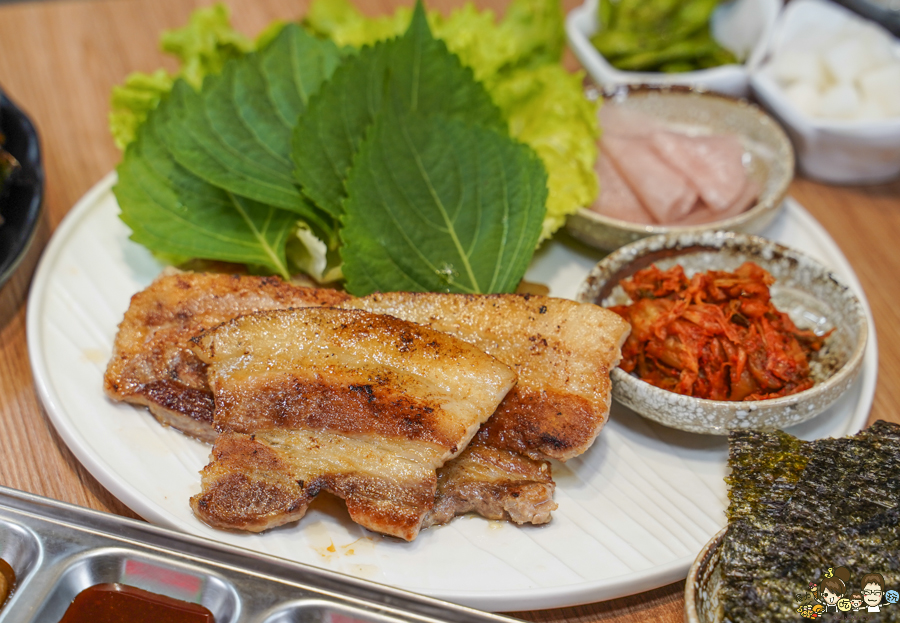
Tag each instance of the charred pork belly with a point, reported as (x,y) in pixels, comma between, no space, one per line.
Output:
(496,484)
(152,362)
(363,405)
(562,352)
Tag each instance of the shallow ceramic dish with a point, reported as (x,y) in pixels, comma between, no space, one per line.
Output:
(701,589)
(829,150)
(769,160)
(742,26)
(20,203)
(808,292)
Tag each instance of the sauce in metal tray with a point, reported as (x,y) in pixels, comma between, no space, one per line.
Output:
(120,603)
(7,580)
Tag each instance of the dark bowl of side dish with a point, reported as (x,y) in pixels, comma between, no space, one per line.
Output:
(812,297)
(766,156)
(22,193)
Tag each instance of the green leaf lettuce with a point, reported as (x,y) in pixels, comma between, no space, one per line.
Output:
(517,59)
(202,47)
(412,73)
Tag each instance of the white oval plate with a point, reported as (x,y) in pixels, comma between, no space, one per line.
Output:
(633,511)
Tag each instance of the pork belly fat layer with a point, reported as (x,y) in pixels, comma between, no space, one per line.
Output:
(268,479)
(152,363)
(352,372)
(562,352)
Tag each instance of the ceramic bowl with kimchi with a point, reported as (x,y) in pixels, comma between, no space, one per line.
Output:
(673,160)
(729,331)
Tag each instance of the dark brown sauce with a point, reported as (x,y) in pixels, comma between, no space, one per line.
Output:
(7,581)
(120,603)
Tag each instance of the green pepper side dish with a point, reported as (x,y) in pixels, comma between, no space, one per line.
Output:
(659,35)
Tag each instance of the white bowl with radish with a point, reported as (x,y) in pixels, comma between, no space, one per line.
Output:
(832,79)
(678,160)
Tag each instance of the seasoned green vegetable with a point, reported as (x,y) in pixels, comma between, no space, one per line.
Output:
(659,35)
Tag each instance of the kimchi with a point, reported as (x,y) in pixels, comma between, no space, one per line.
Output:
(716,335)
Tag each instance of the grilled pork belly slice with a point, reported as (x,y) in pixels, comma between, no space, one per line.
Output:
(562,352)
(255,482)
(496,484)
(352,389)
(152,363)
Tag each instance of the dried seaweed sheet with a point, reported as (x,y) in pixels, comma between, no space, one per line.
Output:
(788,525)
(765,468)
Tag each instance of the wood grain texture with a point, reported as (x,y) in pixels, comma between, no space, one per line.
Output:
(59,60)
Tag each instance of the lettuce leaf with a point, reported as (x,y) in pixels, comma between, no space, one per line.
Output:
(342,22)
(415,72)
(205,44)
(547,110)
(530,33)
(131,102)
(311,256)
(203,47)
(517,59)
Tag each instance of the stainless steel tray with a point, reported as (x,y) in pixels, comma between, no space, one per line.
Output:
(57,550)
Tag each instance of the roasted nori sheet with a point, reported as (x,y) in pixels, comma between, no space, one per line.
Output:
(797,508)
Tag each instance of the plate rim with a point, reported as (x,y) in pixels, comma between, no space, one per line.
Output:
(535,598)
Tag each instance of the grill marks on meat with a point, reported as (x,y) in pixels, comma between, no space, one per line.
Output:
(352,372)
(562,352)
(363,405)
(152,363)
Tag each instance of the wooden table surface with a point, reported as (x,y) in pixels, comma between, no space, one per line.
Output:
(59,60)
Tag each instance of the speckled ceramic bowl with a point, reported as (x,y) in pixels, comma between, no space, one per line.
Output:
(804,289)
(701,589)
(768,153)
